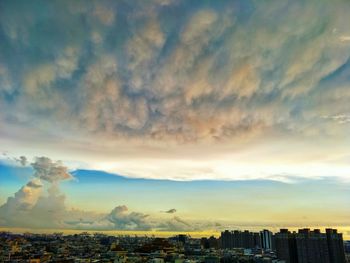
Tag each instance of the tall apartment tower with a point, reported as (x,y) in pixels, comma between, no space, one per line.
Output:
(312,246)
(247,239)
(257,240)
(239,239)
(266,239)
(226,239)
(335,246)
(286,246)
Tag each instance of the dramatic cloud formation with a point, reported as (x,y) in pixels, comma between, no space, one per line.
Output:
(114,82)
(252,93)
(30,207)
(33,208)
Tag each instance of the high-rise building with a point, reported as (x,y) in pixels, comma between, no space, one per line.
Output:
(266,239)
(247,239)
(210,242)
(310,246)
(239,239)
(226,239)
(257,241)
(335,246)
(286,246)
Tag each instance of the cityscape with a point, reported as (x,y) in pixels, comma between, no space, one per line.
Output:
(311,246)
(174,131)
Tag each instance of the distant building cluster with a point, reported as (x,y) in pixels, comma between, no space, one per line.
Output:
(304,246)
(308,246)
(236,246)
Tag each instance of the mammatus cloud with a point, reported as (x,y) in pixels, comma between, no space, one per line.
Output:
(213,76)
(131,79)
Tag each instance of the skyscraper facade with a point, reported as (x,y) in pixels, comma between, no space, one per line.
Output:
(266,239)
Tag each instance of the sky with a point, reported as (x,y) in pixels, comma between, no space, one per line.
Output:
(179,115)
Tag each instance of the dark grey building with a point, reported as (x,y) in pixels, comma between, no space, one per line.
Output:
(335,246)
(226,239)
(310,246)
(286,248)
(239,239)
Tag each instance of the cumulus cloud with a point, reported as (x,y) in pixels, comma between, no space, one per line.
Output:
(27,196)
(122,219)
(47,170)
(30,206)
(37,205)
(17,207)
(40,205)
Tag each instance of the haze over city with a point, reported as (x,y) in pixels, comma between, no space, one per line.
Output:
(159,116)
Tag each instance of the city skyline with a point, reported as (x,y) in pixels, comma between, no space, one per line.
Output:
(305,245)
(165,116)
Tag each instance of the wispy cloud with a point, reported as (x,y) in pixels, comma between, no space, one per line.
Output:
(339,118)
